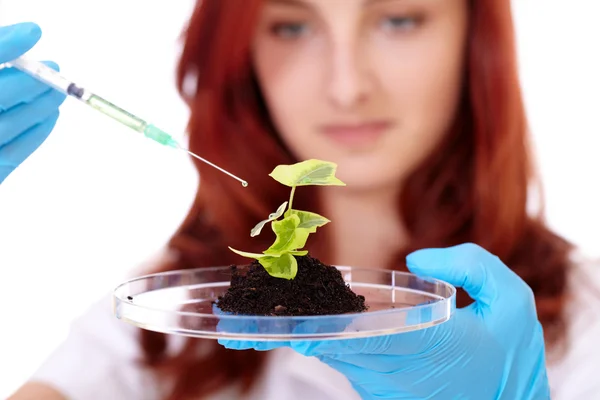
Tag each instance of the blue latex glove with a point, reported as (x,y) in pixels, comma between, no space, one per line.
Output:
(492,349)
(28,108)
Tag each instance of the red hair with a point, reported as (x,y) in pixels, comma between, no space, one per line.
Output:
(474,188)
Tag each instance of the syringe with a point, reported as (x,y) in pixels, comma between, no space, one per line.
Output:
(52,78)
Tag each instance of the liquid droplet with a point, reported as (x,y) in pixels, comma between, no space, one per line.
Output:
(244,184)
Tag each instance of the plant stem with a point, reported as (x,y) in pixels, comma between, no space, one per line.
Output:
(291,197)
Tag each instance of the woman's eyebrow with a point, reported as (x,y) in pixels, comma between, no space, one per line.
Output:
(369,2)
(293,3)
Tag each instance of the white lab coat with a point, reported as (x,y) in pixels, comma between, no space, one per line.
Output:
(98,362)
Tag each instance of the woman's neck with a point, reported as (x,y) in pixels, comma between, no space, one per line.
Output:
(366,228)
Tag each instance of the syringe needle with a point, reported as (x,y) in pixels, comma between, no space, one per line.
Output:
(54,79)
(244,183)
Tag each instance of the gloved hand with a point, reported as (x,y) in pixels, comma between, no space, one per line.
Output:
(28,108)
(492,349)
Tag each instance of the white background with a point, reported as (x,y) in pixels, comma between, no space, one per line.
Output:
(98,199)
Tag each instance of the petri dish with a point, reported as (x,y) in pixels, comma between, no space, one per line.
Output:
(182,303)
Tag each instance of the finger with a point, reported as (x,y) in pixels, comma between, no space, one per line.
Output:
(379,363)
(480,273)
(15,40)
(377,383)
(15,152)
(236,344)
(402,352)
(19,119)
(251,345)
(406,343)
(357,376)
(364,395)
(18,87)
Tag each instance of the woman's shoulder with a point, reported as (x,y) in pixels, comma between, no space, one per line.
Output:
(573,369)
(100,358)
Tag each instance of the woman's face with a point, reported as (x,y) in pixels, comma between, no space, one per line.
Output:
(372,85)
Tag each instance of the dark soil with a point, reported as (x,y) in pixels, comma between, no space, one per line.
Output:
(317,289)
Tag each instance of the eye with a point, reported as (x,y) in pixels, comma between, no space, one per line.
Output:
(395,24)
(289,30)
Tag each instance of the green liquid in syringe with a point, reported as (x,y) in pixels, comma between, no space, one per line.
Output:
(130,120)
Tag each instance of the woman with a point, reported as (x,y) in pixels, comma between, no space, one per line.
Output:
(418,103)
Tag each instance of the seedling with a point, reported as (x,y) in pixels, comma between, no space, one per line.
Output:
(284,279)
(293,230)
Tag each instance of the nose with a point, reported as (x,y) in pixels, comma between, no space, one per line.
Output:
(349,78)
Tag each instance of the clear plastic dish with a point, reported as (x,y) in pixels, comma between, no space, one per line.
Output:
(181,303)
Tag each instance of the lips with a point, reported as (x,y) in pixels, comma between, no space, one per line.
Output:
(356,134)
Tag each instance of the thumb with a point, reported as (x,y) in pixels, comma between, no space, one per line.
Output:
(16,40)
(481,274)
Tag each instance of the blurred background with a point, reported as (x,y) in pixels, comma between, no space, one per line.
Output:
(97,199)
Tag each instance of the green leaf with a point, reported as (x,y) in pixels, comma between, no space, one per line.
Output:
(272,217)
(289,237)
(309,172)
(308,220)
(252,255)
(285,267)
(298,253)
